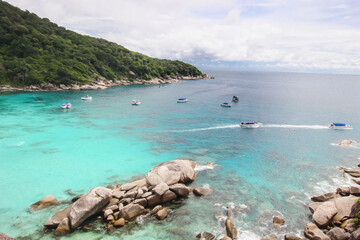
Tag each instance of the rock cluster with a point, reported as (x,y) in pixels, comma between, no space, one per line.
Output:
(101,83)
(162,184)
(333,213)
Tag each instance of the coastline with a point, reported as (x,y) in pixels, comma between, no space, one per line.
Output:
(101,83)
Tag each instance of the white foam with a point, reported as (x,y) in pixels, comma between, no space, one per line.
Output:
(354,144)
(16,144)
(209,128)
(199,168)
(294,126)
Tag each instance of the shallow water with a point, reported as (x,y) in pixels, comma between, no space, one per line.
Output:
(268,171)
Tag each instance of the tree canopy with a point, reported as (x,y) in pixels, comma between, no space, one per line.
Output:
(34,50)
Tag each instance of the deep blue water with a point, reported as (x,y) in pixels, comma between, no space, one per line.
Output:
(268,171)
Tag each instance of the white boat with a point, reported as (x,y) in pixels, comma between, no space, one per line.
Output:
(250,124)
(63,105)
(135,102)
(182,100)
(225,104)
(339,126)
(87,97)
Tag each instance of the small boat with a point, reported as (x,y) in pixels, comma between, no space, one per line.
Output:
(68,105)
(235,99)
(250,124)
(87,97)
(225,104)
(182,100)
(339,126)
(63,105)
(135,102)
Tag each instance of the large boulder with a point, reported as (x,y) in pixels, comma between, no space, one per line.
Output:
(44,203)
(338,234)
(324,214)
(344,206)
(324,197)
(231,230)
(172,172)
(57,218)
(314,233)
(161,214)
(95,200)
(180,189)
(313,206)
(131,211)
(63,228)
(290,237)
(161,188)
(168,196)
(348,190)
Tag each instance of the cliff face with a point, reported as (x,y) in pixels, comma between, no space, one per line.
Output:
(34,51)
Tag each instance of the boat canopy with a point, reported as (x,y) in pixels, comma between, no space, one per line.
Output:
(339,124)
(182,99)
(252,122)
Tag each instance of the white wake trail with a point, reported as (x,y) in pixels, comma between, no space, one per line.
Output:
(209,128)
(294,126)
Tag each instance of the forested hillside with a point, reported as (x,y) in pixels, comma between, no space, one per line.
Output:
(34,51)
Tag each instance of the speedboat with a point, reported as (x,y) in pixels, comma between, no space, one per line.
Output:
(68,105)
(250,124)
(235,99)
(63,105)
(87,97)
(135,102)
(225,104)
(339,126)
(182,100)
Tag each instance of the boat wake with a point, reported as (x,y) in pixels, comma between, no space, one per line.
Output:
(261,126)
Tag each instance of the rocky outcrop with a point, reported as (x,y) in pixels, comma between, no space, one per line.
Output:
(44,203)
(324,214)
(314,233)
(180,189)
(352,172)
(355,235)
(290,237)
(161,214)
(324,197)
(63,228)
(201,191)
(338,234)
(205,236)
(56,219)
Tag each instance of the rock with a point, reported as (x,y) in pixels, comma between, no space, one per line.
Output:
(354,210)
(57,218)
(324,197)
(140,183)
(351,171)
(270,238)
(44,203)
(108,212)
(345,143)
(357,181)
(126,201)
(230,229)
(313,206)
(118,194)
(116,215)
(119,223)
(130,194)
(5,237)
(153,200)
(225,238)
(338,234)
(348,190)
(77,197)
(355,235)
(290,237)
(113,201)
(324,214)
(141,201)
(205,236)
(88,205)
(63,228)
(161,188)
(110,218)
(314,233)
(161,214)
(180,189)
(147,194)
(140,192)
(201,191)
(278,220)
(128,186)
(131,211)
(172,172)
(168,196)
(156,209)
(87,228)
(132,74)
(344,206)
(350,227)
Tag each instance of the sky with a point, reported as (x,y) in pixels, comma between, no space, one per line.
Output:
(264,35)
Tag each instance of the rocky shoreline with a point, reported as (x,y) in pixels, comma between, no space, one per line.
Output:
(101,83)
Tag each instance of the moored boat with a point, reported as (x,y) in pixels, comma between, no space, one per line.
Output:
(68,105)
(182,100)
(63,105)
(135,102)
(87,97)
(235,99)
(225,104)
(250,124)
(339,126)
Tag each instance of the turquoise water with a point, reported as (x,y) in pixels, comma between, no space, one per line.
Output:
(267,171)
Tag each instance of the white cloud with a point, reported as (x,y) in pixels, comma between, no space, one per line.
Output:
(278,34)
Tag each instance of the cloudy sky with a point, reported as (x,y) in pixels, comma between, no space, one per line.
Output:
(268,35)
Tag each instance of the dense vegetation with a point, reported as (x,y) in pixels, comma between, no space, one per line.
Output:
(35,50)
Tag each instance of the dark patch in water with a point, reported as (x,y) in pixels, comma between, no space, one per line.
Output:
(39,143)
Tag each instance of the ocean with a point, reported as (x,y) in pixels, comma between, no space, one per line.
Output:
(269,171)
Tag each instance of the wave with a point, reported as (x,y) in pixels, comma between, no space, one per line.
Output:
(199,168)
(261,126)
(354,144)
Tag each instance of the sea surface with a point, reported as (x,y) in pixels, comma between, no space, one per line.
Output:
(269,171)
